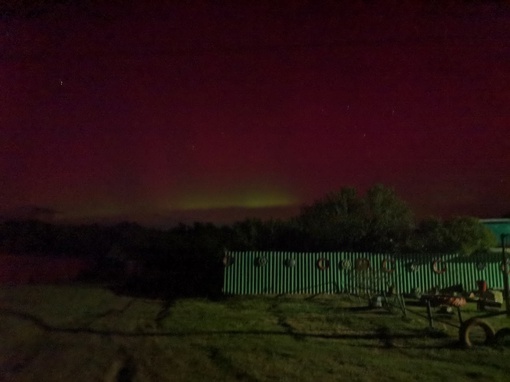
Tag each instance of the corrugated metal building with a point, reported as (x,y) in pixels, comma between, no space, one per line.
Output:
(344,272)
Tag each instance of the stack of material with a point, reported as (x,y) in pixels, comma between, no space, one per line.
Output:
(493,296)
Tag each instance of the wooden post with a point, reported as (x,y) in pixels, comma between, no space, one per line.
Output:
(506,291)
(402,304)
(429,314)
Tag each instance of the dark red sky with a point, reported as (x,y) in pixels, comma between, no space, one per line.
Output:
(214,110)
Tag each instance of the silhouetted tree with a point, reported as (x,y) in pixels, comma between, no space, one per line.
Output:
(464,235)
(388,220)
(334,222)
(380,221)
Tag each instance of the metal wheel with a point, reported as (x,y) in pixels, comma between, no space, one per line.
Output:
(469,337)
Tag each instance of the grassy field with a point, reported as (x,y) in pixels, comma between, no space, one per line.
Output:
(87,333)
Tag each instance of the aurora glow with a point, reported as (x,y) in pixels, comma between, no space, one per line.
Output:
(249,198)
(173,110)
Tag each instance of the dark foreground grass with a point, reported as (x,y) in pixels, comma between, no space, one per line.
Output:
(79,333)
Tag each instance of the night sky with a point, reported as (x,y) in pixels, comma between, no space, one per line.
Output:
(220,110)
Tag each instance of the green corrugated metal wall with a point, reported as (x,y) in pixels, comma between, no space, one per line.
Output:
(244,274)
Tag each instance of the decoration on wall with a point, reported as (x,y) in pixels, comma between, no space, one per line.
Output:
(507,266)
(261,261)
(436,266)
(386,267)
(228,260)
(290,262)
(323,263)
(345,264)
(362,264)
(412,267)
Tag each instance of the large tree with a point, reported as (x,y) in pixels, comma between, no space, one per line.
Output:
(334,222)
(388,219)
(463,235)
(344,220)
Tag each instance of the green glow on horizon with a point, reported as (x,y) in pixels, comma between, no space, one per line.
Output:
(235,199)
(248,197)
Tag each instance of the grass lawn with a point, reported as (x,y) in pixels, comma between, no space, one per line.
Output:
(87,333)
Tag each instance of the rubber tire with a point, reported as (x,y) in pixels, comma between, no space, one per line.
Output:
(466,327)
(290,263)
(436,269)
(500,336)
(346,264)
(228,260)
(384,265)
(323,263)
(261,261)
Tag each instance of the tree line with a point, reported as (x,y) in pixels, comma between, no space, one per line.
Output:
(378,221)
(186,259)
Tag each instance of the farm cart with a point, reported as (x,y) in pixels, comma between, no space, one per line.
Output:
(491,336)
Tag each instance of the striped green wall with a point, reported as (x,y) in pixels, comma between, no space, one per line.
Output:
(245,274)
